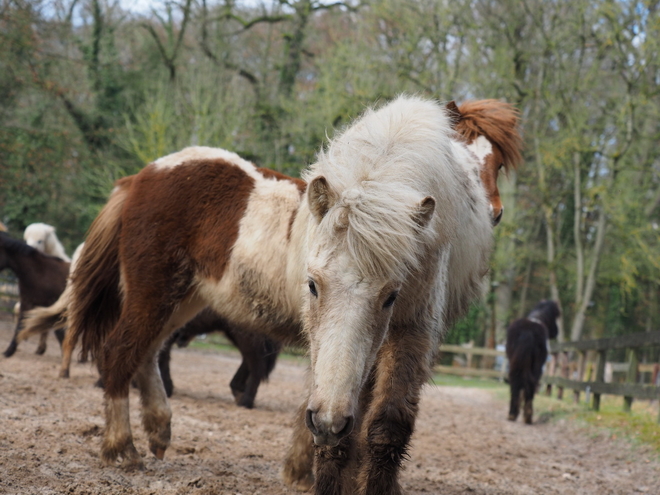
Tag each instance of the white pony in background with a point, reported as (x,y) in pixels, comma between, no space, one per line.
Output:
(42,236)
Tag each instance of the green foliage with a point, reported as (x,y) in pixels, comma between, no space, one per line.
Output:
(90,93)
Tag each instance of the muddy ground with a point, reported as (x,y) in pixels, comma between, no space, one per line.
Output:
(50,433)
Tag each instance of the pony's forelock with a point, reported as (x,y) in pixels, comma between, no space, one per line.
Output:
(498,122)
(379,170)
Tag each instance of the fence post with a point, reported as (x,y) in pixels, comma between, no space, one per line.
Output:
(600,377)
(563,371)
(551,372)
(632,376)
(580,375)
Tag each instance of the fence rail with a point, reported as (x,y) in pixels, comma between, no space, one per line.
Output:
(629,390)
(485,371)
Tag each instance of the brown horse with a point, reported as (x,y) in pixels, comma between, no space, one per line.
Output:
(41,279)
(490,129)
(394,211)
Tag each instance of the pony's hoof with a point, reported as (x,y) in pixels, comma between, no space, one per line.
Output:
(528,421)
(10,350)
(245,401)
(40,350)
(131,460)
(64,374)
(511,417)
(160,454)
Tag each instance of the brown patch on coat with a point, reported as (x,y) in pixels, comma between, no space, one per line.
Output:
(272,174)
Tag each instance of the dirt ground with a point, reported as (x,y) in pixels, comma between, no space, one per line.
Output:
(50,433)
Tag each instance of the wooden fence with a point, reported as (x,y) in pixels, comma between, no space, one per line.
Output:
(581,378)
(485,370)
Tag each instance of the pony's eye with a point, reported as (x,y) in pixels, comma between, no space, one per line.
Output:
(390,300)
(312,288)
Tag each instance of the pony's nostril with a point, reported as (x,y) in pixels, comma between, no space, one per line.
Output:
(346,429)
(309,421)
(497,219)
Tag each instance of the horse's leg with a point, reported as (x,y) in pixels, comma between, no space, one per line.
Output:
(67,350)
(124,351)
(239,381)
(59,335)
(164,357)
(528,410)
(41,348)
(515,385)
(402,368)
(156,413)
(299,462)
(13,345)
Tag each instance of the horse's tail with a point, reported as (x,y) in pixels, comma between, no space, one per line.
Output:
(41,320)
(96,296)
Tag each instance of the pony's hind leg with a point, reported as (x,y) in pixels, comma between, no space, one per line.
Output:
(515,386)
(67,350)
(528,410)
(118,439)
(43,344)
(156,413)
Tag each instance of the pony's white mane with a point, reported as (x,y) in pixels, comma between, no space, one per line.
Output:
(379,170)
(50,244)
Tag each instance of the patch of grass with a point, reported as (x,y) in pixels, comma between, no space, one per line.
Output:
(216,342)
(639,426)
(444,380)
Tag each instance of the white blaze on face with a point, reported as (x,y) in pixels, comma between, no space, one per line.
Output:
(345,340)
(481,147)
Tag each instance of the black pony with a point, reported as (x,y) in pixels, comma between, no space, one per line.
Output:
(526,348)
(259,354)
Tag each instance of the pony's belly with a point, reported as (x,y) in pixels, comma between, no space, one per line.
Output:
(249,298)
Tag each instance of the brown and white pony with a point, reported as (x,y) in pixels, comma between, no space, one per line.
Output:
(490,129)
(384,247)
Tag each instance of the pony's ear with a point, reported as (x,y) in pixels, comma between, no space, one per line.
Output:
(424,211)
(453,113)
(319,197)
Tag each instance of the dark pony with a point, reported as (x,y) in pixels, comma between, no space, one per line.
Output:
(259,354)
(526,348)
(41,280)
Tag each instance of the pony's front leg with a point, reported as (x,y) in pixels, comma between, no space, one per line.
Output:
(299,462)
(156,412)
(402,368)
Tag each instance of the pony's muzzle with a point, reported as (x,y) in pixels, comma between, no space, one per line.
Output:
(328,433)
(498,218)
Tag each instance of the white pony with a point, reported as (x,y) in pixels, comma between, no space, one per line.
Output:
(42,236)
